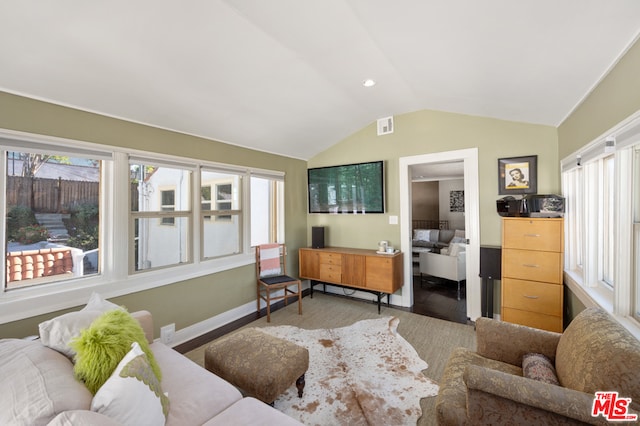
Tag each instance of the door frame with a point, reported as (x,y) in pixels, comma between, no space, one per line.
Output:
(472,222)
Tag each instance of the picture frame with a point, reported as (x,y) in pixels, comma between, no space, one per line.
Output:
(518,175)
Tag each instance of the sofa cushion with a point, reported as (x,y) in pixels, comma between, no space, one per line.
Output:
(595,353)
(103,345)
(539,367)
(208,394)
(251,411)
(422,243)
(445,236)
(36,384)
(57,333)
(132,395)
(82,417)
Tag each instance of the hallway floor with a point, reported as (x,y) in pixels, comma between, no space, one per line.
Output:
(438,298)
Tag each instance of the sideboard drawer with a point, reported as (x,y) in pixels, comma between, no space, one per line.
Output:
(331,258)
(330,273)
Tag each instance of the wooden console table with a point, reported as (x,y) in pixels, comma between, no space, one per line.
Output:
(365,270)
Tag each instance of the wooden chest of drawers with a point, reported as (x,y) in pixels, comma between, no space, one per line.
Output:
(357,268)
(532,263)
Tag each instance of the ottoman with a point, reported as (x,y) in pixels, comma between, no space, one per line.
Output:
(263,366)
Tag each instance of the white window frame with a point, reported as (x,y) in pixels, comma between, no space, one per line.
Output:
(115,278)
(275,209)
(585,280)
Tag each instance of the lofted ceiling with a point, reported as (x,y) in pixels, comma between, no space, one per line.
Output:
(285,76)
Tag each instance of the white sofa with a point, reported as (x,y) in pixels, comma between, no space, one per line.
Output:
(451,266)
(38,388)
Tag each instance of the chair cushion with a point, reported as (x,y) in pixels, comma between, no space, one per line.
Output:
(596,353)
(278,279)
(539,367)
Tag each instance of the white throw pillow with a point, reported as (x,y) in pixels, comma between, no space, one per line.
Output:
(132,395)
(421,235)
(98,303)
(58,332)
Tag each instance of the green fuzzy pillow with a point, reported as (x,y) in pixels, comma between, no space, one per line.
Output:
(102,346)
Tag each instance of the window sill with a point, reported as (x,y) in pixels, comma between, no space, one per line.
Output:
(599,298)
(32,301)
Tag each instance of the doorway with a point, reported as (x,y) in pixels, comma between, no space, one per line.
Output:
(468,158)
(437,212)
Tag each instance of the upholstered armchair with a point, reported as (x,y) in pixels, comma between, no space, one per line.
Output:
(488,386)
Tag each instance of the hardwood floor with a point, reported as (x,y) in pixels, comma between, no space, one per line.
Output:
(438,298)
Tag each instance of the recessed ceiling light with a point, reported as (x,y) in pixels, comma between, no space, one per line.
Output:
(369,83)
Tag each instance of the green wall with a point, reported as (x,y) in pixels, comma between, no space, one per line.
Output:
(426,132)
(194,300)
(614,99)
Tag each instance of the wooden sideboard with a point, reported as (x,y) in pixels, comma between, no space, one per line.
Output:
(532,263)
(366,270)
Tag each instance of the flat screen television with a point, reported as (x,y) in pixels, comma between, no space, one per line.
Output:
(351,188)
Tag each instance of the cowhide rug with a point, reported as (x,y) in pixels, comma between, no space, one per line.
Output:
(363,374)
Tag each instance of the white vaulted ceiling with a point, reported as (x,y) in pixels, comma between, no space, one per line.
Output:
(284,76)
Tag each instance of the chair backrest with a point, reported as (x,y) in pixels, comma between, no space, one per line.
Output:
(596,353)
(270,260)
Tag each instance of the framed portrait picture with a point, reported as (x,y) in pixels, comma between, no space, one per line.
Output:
(518,175)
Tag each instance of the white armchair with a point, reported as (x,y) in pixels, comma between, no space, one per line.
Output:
(453,268)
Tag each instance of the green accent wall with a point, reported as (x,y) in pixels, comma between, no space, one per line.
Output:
(426,132)
(614,99)
(191,301)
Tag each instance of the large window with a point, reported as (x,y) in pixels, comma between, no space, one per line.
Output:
(52,207)
(601,184)
(82,217)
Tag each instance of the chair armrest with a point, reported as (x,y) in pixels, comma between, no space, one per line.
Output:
(508,342)
(146,321)
(490,391)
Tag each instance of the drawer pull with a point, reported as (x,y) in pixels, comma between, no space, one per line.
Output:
(532,235)
(531,297)
(530,265)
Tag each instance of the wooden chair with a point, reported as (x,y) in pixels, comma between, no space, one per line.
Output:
(271,272)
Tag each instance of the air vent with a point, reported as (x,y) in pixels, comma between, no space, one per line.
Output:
(385,126)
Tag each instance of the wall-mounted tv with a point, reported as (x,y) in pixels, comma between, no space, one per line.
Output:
(351,188)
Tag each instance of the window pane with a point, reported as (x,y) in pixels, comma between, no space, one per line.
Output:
(222,237)
(221,213)
(158,246)
(267,211)
(160,206)
(53,215)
